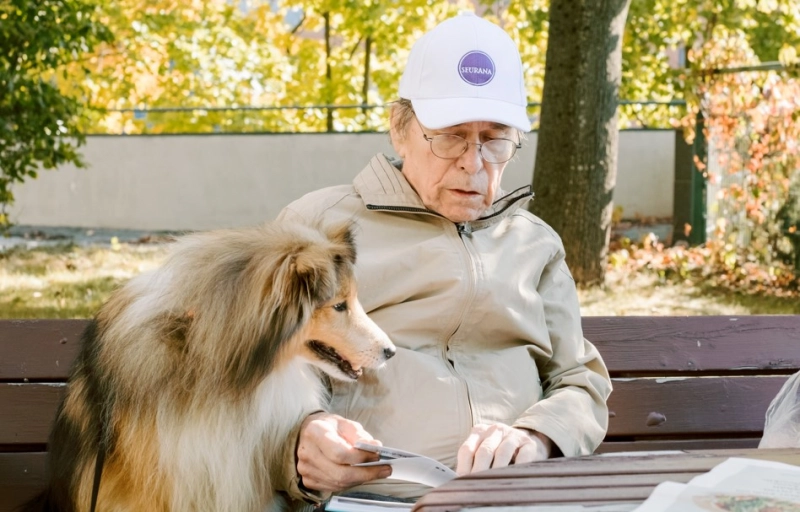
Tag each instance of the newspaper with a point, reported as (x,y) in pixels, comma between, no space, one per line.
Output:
(613,507)
(736,485)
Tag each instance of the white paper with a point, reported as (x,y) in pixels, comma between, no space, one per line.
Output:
(409,466)
(614,507)
(753,476)
(735,485)
(345,504)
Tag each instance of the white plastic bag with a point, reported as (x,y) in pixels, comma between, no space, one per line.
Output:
(782,427)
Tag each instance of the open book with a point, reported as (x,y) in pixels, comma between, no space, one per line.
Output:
(407,466)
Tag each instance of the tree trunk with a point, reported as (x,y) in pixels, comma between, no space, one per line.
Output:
(576,158)
(365,86)
(328,74)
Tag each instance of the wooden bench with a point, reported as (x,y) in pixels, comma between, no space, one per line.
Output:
(679,383)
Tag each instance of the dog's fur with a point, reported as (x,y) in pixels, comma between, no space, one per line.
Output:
(192,376)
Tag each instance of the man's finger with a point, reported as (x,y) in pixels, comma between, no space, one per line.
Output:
(466,451)
(505,451)
(352,431)
(327,435)
(324,472)
(484,454)
(336,478)
(531,452)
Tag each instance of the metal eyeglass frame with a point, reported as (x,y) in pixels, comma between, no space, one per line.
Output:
(517,145)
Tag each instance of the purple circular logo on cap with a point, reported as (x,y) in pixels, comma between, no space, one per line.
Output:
(476,68)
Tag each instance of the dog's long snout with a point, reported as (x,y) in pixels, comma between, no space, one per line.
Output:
(389,352)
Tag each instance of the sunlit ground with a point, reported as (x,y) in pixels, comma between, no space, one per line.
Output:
(644,294)
(71,281)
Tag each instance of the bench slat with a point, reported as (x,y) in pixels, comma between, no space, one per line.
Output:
(696,405)
(684,344)
(38,349)
(664,345)
(28,412)
(45,349)
(683,402)
(604,473)
(652,445)
(23,476)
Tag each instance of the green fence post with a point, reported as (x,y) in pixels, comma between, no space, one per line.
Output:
(698,184)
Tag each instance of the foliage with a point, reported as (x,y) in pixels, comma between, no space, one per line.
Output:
(660,59)
(221,54)
(259,56)
(268,54)
(182,53)
(699,266)
(752,120)
(38,123)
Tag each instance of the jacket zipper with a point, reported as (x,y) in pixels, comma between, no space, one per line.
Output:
(411,209)
(464,229)
(408,209)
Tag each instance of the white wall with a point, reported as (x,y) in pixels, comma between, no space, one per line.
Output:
(191,182)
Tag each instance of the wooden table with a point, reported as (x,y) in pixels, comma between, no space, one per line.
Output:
(593,480)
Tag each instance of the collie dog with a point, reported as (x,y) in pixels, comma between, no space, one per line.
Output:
(190,378)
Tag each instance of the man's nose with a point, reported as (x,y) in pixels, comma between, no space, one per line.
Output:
(471,161)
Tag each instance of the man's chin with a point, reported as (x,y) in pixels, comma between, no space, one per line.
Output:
(459,215)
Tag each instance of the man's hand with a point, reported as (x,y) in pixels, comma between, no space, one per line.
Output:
(496,446)
(325,452)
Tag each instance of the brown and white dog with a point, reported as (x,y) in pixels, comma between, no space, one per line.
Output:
(190,378)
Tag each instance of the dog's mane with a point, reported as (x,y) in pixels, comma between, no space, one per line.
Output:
(189,376)
(254,287)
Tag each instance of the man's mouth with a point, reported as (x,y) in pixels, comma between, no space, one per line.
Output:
(328,353)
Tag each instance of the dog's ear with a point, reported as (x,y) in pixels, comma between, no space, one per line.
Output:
(291,294)
(343,238)
(314,274)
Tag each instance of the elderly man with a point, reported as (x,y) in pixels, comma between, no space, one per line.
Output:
(492,368)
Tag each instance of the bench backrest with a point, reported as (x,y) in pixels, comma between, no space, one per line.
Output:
(693,382)
(679,383)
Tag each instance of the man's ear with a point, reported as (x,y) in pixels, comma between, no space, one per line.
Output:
(397,139)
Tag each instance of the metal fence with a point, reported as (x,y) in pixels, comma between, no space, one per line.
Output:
(316,118)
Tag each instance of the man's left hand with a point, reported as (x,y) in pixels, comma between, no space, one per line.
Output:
(496,446)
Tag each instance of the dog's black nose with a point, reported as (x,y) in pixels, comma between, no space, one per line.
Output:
(389,352)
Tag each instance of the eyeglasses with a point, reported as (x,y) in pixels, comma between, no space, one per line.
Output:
(495,151)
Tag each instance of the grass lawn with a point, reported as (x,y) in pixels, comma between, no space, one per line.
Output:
(70,281)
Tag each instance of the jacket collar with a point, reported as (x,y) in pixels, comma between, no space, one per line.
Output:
(382,186)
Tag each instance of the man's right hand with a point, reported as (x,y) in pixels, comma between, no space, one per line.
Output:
(326,451)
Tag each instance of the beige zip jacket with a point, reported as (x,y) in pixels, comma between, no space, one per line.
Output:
(484,315)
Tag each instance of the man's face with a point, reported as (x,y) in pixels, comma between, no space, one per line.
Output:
(462,188)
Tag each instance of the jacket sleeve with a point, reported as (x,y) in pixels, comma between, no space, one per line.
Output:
(575,382)
(285,478)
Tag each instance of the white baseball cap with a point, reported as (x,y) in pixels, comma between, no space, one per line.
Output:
(466,69)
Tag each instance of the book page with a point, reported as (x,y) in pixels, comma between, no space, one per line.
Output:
(408,466)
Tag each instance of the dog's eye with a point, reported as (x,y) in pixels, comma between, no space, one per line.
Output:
(342,306)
